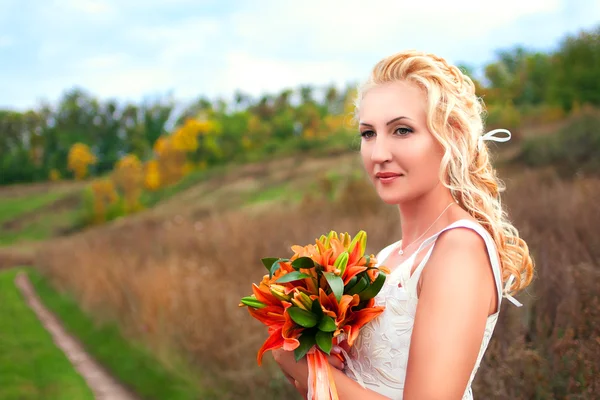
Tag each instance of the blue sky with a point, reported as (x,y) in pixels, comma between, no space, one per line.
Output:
(134,49)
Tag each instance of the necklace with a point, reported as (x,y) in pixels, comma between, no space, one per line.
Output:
(401,251)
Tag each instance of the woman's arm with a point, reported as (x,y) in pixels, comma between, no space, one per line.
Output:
(458,292)
(347,388)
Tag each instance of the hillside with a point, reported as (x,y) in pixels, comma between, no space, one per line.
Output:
(201,245)
(33,213)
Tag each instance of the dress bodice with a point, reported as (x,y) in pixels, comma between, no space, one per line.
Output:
(379,356)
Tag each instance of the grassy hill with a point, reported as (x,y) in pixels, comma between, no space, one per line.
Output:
(31,213)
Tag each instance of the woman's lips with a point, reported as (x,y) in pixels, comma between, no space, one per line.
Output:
(388,178)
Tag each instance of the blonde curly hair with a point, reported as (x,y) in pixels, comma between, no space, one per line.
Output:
(455,118)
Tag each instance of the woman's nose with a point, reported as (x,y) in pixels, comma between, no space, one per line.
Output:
(381,150)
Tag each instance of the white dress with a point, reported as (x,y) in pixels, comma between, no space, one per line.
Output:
(379,356)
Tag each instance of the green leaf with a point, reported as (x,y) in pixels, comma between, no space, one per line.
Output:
(302,317)
(307,341)
(276,265)
(327,324)
(336,284)
(351,283)
(251,301)
(374,288)
(324,340)
(268,262)
(303,263)
(316,309)
(360,286)
(292,276)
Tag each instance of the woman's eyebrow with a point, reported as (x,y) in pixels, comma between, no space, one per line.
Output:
(387,123)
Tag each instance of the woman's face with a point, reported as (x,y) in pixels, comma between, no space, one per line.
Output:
(399,153)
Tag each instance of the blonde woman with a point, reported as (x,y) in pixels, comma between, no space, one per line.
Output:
(424,149)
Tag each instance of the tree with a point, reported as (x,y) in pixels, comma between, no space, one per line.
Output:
(80,158)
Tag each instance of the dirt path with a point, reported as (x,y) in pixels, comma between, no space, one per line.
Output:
(100,382)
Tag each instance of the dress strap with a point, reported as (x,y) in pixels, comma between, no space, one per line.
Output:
(490,246)
(385,252)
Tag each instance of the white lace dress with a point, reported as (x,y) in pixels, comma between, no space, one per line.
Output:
(380,354)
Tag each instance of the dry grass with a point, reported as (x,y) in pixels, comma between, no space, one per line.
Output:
(176,283)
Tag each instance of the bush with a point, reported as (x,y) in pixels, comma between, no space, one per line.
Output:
(573,149)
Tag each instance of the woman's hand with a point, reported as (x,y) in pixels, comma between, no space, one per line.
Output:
(286,359)
(294,370)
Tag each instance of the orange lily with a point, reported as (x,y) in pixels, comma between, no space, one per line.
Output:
(336,254)
(282,330)
(334,309)
(358,319)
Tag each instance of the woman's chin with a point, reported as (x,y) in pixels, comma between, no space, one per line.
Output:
(391,199)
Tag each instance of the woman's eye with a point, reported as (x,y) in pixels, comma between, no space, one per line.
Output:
(367,134)
(403,131)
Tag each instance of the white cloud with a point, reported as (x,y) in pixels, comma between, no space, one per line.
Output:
(102,61)
(76,11)
(132,82)
(351,26)
(188,38)
(203,47)
(92,7)
(255,75)
(316,41)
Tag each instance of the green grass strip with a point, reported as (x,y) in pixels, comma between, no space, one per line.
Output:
(13,207)
(31,366)
(129,362)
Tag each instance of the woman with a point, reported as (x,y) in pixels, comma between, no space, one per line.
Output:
(422,147)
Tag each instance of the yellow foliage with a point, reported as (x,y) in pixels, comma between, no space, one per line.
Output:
(162,145)
(246,143)
(170,161)
(129,177)
(309,133)
(54,175)
(104,194)
(333,123)
(257,130)
(80,157)
(129,161)
(254,123)
(349,102)
(188,167)
(171,151)
(152,179)
(185,137)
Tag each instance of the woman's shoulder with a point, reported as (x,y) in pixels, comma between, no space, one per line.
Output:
(473,232)
(458,257)
(467,238)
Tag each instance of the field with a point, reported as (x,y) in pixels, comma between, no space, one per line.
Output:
(170,277)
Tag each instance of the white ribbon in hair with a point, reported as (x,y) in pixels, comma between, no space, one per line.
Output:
(507,296)
(491,135)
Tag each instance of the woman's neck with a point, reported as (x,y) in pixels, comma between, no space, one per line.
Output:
(428,213)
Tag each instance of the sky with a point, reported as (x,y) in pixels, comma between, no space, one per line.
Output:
(133,50)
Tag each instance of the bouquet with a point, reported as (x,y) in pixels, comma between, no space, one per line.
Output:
(321,295)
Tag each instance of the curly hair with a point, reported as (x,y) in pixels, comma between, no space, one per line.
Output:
(455,118)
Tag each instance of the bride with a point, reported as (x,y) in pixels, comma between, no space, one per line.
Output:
(424,150)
